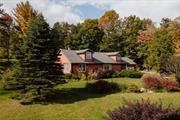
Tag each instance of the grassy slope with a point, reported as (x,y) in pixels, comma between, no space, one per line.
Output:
(81,106)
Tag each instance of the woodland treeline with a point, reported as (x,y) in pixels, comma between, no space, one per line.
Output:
(139,39)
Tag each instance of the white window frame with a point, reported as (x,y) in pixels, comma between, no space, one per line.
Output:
(88,55)
(107,66)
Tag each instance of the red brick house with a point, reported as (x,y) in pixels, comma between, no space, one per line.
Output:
(88,60)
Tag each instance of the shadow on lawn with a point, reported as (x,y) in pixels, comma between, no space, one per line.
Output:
(71,95)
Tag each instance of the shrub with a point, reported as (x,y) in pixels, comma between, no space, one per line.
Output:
(178,77)
(131,73)
(143,110)
(116,74)
(132,88)
(170,85)
(102,86)
(92,76)
(77,76)
(104,73)
(152,81)
(68,76)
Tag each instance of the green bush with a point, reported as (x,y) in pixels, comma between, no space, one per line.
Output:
(68,76)
(102,86)
(131,73)
(76,76)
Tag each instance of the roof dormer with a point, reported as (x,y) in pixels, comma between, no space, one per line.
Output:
(86,55)
(116,56)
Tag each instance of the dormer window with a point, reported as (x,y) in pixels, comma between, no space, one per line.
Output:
(88,55)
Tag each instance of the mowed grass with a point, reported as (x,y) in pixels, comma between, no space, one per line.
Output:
(76,104)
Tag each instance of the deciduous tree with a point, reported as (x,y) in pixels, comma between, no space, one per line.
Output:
(161,47)
(5,29)
(23,15)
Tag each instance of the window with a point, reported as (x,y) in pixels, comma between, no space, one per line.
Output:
(65,67)
(88,55)
(82,67)
(107,67)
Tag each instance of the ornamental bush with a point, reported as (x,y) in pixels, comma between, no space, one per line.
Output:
(155,82)
(102,86)
(152,81)
(143,110)
(170,85)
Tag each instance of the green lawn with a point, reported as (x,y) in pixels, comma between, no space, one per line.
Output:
(75,104)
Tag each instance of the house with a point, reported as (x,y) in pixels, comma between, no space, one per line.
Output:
(88,60)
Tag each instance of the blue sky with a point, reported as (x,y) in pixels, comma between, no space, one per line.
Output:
(89,11)
(75,11)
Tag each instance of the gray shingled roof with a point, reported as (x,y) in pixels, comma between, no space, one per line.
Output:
(128,60)
(82,51)
(111,53)
(72,56)
(98,57)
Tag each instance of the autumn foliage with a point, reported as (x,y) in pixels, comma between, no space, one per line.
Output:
(156,82)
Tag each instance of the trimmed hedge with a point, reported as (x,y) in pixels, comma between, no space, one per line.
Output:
(131,73)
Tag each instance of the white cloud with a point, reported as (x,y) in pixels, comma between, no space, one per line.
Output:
(52,11)
(67,10)
(154,9)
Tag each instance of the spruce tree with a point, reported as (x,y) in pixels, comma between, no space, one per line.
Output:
(37,69)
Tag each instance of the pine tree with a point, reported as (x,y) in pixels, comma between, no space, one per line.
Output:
(37,69)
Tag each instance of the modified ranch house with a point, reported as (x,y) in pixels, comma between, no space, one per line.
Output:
(88,60)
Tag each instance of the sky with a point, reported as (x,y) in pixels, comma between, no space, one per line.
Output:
(75,11)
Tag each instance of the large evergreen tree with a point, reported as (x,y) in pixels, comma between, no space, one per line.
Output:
(37,69)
